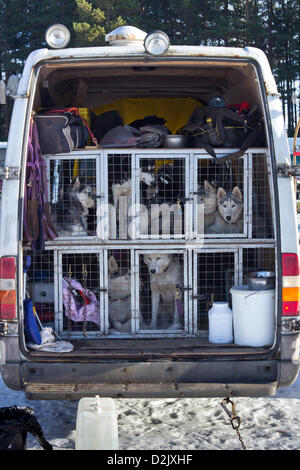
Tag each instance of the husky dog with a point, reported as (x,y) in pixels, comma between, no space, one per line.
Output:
(208,197)
(119,292)
(229,215)
(69,214)
(165,276)
(124,187)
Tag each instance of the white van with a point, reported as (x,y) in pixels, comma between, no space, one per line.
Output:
(201,300)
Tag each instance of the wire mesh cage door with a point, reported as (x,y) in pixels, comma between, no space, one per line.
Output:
(162,196)
(215,271)
(116,208)
(121,317)
(253,258)
(162,293)
(79,303)
(74,185)
(220,193)
(261,198)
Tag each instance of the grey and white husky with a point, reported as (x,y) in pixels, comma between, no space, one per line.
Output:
(165,275)
(119,293)
(69,214)
(228,218)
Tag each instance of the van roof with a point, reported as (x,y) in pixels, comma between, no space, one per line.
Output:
(138,50)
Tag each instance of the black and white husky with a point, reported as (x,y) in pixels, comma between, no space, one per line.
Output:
(69,215)
(124,187)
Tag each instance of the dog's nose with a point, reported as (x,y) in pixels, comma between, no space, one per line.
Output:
(152,271)
(228,217)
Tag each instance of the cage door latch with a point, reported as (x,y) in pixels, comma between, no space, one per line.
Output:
(9,172)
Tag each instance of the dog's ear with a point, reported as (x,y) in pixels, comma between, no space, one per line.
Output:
(209,187)
(221,193)
(237,193)
(112,265)
(76,184)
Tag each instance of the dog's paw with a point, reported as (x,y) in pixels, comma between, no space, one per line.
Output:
(175,326)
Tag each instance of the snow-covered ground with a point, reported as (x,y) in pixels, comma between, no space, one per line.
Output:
(184,424)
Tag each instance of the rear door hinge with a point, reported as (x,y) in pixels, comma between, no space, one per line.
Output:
(290,325)
(9,172)
(288,170)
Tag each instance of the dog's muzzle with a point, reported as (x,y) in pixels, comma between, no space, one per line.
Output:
(93,196)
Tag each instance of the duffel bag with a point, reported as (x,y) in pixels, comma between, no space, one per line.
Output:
(222,127)
(62,130)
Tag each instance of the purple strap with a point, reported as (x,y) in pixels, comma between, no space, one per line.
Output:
(37,189)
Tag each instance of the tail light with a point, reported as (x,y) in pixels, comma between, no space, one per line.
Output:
(7,288)
(290,284)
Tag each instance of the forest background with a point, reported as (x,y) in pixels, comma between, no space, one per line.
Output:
(273,26)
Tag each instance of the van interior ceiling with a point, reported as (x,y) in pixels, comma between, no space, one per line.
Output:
(91,85)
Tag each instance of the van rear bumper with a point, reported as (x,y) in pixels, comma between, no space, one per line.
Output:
(161,379)
(40,391)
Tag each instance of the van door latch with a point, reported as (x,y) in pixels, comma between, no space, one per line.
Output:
(9,172)
(290,325)
(288,170)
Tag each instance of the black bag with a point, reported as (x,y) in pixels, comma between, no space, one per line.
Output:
(60,131)
(15,423)
(222,127)
(103,123)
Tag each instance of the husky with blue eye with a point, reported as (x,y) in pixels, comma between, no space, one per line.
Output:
(69,215)
(230,210)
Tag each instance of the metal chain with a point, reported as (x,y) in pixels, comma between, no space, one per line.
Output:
(69,296)
(234,418)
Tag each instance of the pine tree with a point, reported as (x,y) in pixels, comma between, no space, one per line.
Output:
(99,17)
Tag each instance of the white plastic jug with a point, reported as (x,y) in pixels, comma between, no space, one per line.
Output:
(96,424)
(253,316)
(220,323)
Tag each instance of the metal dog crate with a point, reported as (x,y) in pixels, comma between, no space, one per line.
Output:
(217,270)
(71,175)
(110,260)
(119,282)
(172,208)
(119,279)
(224,176)
(180,299)
(137,209)
(79,287)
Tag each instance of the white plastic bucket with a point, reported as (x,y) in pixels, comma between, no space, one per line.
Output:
(253,316)
(96,424)
(220,323)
